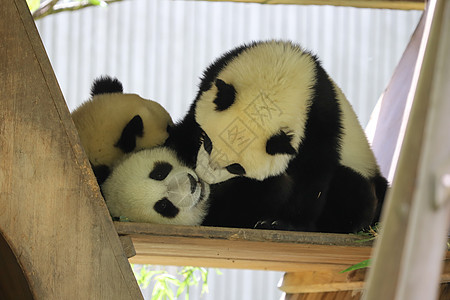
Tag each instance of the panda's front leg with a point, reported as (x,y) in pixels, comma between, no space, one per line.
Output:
(304,205)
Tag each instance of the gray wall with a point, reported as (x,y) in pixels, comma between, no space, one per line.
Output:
(159,48)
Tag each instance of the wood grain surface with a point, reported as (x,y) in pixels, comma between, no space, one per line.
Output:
(51,211)
(390,4)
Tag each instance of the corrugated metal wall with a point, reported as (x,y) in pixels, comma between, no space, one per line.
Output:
(159,48)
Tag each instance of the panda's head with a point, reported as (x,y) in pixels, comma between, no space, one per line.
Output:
(112,124)
(252,107)
(153,186)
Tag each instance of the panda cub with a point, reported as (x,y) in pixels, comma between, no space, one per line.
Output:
(112,124)
(280,144)
(153,186)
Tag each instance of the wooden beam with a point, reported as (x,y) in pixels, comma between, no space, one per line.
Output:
(243,248)
(389,4)
(322,281)
(444,294)
(127,245)
(51,211)
(332,280)
(341,295)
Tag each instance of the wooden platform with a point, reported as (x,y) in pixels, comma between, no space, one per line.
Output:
(242,248)
(314,261)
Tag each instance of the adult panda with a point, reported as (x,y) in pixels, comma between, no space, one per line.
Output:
(280,143)
(153,186)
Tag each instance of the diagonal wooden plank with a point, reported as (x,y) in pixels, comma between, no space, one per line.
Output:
(51,211)
(416,217)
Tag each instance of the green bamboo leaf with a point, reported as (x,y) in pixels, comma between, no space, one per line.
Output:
(167,290)
(157,291)
(364,264)
(167,277)
(145,276)
(181,288)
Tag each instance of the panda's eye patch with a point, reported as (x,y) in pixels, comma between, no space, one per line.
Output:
(166,208)
(236,169)
(207,144)
(160,171)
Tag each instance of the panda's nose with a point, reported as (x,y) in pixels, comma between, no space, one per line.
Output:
(193,183)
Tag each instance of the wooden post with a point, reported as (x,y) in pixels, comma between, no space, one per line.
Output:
(409,252)
(51,212)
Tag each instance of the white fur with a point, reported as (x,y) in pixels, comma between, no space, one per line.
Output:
(100,122)
(273,83)
(355,152)
(271,94)
(130,192)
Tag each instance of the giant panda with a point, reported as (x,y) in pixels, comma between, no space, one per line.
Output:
(280,144)
(112,124)
(153,186)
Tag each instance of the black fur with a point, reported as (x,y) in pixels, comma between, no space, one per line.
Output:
(185,139)
(226,94)
(315,193)
(207,144)
(134,129)
(317,159)
(280,143)
(166,208)
(210,74)
(236,169)
(381,186)
(242,202)
(193,182)
(160,171)
(106,85)
(101,172)
(351,203)
(185,136)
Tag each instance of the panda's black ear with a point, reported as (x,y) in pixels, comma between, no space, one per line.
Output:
(106,85)
(226,94)
(134,129)
(169,128)
(280,143)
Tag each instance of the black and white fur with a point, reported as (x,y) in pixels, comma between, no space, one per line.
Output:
(112,124)
(153,186)
(281,144)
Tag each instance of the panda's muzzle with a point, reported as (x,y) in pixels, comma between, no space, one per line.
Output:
(184,189)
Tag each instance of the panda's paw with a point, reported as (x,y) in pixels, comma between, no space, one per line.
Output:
(264,224)
(272,225)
